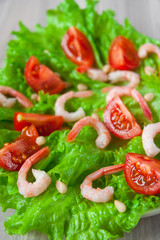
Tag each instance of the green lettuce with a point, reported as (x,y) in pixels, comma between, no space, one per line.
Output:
(69,214)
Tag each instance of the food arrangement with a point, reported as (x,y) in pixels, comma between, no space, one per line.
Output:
(79,124)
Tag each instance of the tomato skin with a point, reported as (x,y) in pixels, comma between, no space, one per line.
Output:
(13,155)
(40,77)
(142,173)
(123,54)
(77,47)
(45,124)
(120,121)
(82,69)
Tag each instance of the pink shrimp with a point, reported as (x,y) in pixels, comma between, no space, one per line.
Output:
(19,96)
(6,102)
(42,178)
(93,73)
(147,48)
(104,136)
(119,76)
(148,135)
(138,97)
(70,116)
(121,91)
(99,195)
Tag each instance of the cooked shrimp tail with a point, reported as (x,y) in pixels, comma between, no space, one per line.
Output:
(147,48)
(19,96)
(126,91)
(93,73)
(99,195)
(120,76)
(104,136)
(138,97)
(6,102)
(148,135)
(83,94)
(70,116)
(28,189)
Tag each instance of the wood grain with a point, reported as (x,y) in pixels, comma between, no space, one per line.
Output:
(144,15)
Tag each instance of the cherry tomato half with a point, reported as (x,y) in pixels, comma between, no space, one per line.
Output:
(123,54)
(12,156)
(45,124)
(120,121)
(77,47)
(40,77)
(142,173)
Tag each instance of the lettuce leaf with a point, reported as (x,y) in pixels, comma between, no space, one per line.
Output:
(70,214)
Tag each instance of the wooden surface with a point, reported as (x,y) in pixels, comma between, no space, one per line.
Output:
(143,14)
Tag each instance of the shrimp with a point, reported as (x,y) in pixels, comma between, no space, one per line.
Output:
(121,91)
(138,97)
(99,195)
(119,76)
(70,116)
(6,102)
(118,91)
(19,96)
(147,48)
(97,74)
(107,68)
(148,135)
(42,178)
(93,73)
(104,136)
(149,70)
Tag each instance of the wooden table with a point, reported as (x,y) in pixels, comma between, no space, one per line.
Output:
(143,14)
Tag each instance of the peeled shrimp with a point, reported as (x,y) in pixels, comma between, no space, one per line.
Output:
(93,73)
(147,48)
(6,102)
(148,135)
(121,91)
(43,180)
(99,195)
(19,96)
(104,136)
(97,74)
(70,116)
(120,76)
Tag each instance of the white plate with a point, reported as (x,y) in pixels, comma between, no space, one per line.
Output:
(151,213)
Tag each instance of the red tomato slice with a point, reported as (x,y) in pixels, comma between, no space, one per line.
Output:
(123,54)
(120,121)
(45,124)
(77,47)
(12,156)
(40,77)
(142,173)
(82,69)
(19,96)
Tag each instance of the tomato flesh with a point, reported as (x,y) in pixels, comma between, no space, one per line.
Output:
(77,47)
(123,54)
(12,156)
(45,124)
(120,121)
(40,77)
(142,173)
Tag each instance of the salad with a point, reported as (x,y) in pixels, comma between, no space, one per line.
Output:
(79,124)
